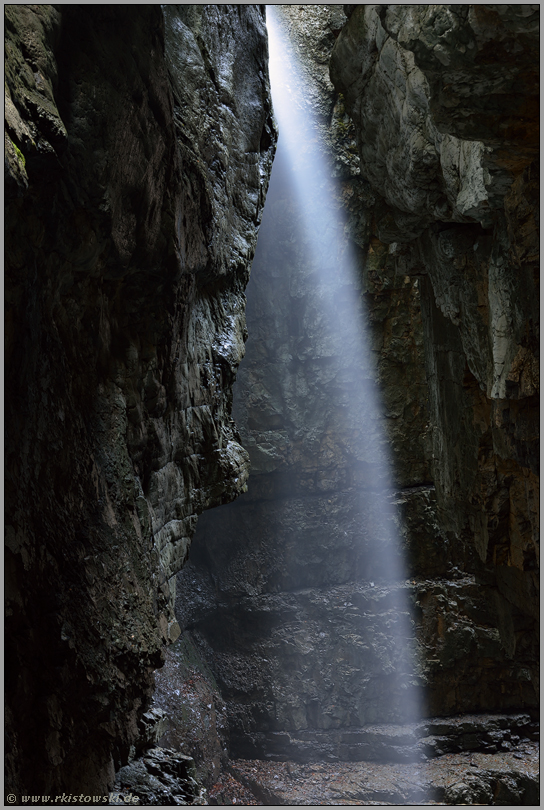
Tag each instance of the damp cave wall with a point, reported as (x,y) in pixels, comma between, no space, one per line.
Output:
(431,128)
(124,322)
(455,160)
(138,145)
(461,91)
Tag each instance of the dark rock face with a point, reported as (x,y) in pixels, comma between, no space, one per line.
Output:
(446,227)
(493,49)
(295,565)
(159,777)
(452,154)
(138,147)
(192,710)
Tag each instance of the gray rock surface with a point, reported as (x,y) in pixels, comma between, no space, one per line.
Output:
(507,778)
(138,148)
(443,101)
(159,777)
(446,232)
(411,742)
(187,695)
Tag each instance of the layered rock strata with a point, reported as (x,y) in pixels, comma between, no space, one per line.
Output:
(444,102)
(296,565)
(138,147)
(508,778)
(444,220)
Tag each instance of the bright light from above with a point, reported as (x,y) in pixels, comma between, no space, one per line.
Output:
(342,334)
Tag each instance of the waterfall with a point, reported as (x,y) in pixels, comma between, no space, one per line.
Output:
(340,327)
(297,592)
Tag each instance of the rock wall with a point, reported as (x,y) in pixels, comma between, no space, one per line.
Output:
(444,220)
(138,146)
(444,102)
(293,563)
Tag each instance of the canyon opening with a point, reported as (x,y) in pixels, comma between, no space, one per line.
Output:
(307,575)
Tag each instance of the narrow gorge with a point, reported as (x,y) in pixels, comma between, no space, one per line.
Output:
(205,600)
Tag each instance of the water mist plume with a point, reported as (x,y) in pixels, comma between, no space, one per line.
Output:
(303,161)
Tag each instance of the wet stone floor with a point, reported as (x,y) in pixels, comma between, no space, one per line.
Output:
(504,778)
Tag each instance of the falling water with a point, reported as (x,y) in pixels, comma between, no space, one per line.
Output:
(340,328)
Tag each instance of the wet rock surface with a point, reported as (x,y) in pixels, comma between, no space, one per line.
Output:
(414,742)
(466,759)
(286,565)
(457,205)
(230,791)
(446,238)
(159,777)
(453,779)
(138,146)
(196,723)
(311,662)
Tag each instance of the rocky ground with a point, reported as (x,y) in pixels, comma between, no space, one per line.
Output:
(457,760)
(503,778)
(468,778)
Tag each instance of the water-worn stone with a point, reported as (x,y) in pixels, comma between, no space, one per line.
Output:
(435,312)
(443,102)
(139,143)
(159,777)
(508,778)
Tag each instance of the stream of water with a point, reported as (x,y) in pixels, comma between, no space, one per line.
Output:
(340,327)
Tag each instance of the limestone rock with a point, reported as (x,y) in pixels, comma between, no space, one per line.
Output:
(139,147)
(445,230)
(443,101)
(158,777)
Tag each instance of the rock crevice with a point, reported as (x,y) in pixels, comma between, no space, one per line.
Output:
(426,105)
(138,148)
